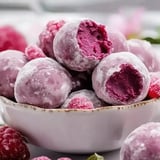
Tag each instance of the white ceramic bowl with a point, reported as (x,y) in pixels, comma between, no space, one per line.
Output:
(79,131)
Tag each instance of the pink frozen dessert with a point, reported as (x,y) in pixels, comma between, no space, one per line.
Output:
(42,82)
(143,143)
(82,99)
(119,41)
(81,44)
(11,62)
(121,78)
(146,53)
(47,36)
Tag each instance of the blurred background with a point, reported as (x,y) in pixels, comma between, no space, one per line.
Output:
(78,5)
(140,17)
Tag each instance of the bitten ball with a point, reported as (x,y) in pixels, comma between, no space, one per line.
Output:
(121,78)
(80,45)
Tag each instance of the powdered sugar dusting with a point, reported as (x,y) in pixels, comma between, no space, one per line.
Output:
(42,82)
(143,143)
(112,64)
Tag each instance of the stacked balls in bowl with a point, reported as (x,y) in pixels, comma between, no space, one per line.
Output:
(79,64)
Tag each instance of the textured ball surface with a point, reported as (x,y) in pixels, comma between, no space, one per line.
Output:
(145,51)
(80,45)
(121,78)
(143,143)
(42,82)
(11,62)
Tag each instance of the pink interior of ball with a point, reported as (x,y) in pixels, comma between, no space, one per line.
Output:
(92,39)
(128,86)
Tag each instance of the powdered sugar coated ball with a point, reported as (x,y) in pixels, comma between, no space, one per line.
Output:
(121,78)
(145,51)
(119,42)
(42,82)
(81,44)
(11,62)
(143,143)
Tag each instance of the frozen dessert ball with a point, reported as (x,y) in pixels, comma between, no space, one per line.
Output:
(42,82)
(143,143)
(82,99)
(121,78)
(11,62)
(47,36)
(80,45)
(146,53)
(119,42)
(10,38)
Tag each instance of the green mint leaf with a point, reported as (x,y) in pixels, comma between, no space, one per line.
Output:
(95,156)
(152,40)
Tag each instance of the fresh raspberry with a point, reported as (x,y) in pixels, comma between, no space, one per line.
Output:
(154,88)
(64,158)
(46,37)
(41,158)
(12,146)
(33,51)
(80,103)
(54,26)
(10,38)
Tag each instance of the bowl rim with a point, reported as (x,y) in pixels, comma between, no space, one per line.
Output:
(103,108)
